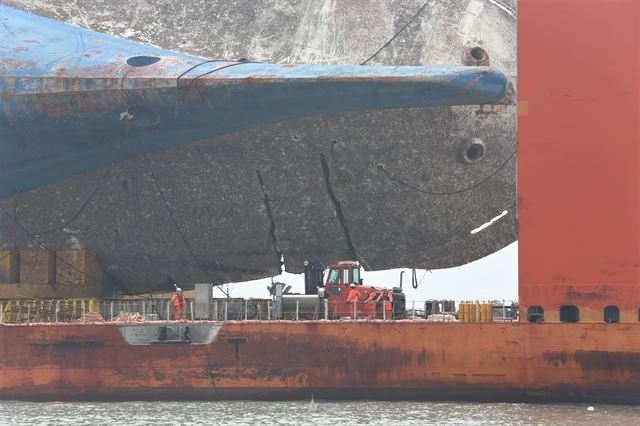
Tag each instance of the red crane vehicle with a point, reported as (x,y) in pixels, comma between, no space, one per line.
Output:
(343,277)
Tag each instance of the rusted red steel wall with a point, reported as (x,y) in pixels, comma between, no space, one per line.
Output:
(579,156)
(415,360)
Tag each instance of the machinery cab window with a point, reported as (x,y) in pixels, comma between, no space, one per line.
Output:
(535,314)
(569,313)
(333,283)
(611,314)
(334,277)
(345,276)
(356,276)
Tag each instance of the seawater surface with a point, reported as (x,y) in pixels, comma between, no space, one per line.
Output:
(303,413)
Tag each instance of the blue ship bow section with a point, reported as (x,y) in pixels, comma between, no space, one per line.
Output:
(73,100)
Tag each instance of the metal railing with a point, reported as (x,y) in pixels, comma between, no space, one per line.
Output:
(236,309)
(29,311)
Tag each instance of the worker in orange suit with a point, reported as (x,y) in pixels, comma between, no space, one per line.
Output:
(353,295)
(179,302)
(371,303)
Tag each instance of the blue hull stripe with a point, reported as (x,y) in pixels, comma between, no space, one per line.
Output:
(73,100)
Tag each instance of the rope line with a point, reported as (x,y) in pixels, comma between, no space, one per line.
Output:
(81,208)
(475,185)
(232,64)
(216,70)
(177,227)
(413,18)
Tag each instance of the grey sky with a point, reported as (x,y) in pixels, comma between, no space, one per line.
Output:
(494,277)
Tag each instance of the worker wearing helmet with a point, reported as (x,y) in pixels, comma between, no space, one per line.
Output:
(179,302)
(353,296)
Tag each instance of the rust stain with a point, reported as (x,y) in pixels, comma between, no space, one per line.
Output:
(260,80)
(8,65)
(70,344)
(475,56)
(554,358)
(573,294)
(608,361)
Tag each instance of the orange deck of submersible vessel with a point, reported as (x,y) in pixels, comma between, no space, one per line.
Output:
(577,337)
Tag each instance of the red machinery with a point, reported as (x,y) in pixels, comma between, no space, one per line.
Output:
(335,290)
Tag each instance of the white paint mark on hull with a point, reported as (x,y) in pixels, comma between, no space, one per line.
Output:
(491,222)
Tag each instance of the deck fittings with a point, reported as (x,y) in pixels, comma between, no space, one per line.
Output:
(475,56)
(471,151)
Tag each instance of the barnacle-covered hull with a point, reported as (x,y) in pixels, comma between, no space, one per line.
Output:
(167,164)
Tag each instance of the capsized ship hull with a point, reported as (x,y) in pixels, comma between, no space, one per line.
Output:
(217,171)
(333,360)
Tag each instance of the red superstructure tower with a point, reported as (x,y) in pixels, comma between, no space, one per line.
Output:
(579,159)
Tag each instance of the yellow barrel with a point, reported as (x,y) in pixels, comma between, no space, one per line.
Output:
(94,306)
(489,312)
(5,311)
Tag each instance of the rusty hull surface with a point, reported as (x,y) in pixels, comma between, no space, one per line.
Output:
(332,360)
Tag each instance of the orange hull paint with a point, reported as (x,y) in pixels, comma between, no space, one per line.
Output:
(375,359)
